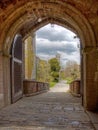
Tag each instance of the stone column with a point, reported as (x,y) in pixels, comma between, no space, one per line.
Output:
(90,76)
(5,88)
(6,79)
(34,56)
(1,81)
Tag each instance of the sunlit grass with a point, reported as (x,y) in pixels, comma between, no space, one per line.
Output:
(52,84)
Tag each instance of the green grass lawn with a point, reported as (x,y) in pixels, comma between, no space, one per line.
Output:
(52,84)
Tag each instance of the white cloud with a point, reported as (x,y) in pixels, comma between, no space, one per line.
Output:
(50,41)
(57,33)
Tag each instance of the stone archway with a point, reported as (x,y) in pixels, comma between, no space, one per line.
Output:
(24,16)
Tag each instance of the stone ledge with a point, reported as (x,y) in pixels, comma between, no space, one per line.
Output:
(75,88)
(31,87)
(36,93)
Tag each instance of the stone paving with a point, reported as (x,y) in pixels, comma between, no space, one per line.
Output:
(54,110)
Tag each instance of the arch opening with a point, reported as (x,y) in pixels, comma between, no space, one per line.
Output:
(31,16)
(55,43)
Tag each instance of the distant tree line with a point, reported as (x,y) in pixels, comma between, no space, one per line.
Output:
(50,71)
(71,71)
(54,69)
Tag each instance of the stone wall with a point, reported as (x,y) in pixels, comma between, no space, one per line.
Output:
(31,87)
(30,61)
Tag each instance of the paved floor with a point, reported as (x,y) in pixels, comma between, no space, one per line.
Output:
(54,110)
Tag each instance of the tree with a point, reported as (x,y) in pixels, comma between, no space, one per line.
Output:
(43,69)
(72,70)
(54,68)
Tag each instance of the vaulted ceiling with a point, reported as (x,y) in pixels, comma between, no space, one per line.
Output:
(81,16)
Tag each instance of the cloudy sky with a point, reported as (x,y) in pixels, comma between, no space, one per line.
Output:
(53,40)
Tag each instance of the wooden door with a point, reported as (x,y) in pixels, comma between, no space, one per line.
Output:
(16,69)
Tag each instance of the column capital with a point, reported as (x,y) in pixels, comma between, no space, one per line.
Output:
(32,34)
(6,55)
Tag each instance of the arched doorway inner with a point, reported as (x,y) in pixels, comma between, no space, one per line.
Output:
(35,14)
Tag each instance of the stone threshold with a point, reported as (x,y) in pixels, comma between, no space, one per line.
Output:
(94,118)
(33,128)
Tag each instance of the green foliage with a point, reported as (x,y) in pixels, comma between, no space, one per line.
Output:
(72,70)
(52,84)
(54,64)
(54,69)
(69,80)
(55,76)
(43,69)
(62,75)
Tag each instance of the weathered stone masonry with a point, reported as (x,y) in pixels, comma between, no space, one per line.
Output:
(22,16)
